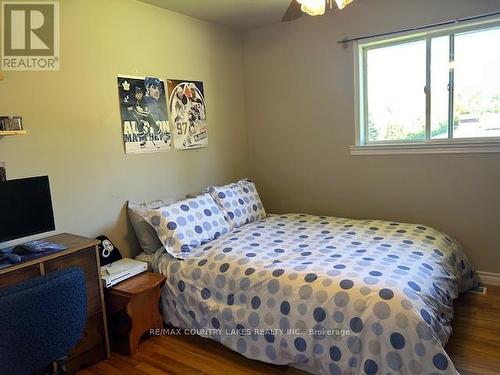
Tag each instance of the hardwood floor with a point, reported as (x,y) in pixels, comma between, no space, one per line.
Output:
(474,347)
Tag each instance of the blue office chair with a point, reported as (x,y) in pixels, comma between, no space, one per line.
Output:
(41,320)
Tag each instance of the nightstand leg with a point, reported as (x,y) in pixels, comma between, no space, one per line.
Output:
(145,314)
(133,338)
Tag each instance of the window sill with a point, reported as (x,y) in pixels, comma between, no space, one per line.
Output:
(428,148)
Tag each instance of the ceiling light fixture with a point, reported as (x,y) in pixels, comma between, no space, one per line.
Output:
(343,3)
(313,7)
(318,7)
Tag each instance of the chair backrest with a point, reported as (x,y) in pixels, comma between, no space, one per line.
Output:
(41,320)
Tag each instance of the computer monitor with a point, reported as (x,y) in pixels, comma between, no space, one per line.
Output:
(25,208)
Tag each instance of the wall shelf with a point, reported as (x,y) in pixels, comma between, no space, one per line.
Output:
(12,132)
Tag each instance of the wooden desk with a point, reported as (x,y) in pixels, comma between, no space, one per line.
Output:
(83,253)
(133,309)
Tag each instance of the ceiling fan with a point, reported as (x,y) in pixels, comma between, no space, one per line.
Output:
(312,7)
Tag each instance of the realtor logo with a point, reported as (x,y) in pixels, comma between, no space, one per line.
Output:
(30,35)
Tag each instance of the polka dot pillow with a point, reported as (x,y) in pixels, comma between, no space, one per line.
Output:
(240,201)
(187,224)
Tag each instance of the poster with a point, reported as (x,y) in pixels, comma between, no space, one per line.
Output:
(143,109)
(188,114)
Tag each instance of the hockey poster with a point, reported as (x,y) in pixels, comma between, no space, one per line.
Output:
(143,109)
(188,114)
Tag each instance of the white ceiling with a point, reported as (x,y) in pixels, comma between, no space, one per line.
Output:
(240,14)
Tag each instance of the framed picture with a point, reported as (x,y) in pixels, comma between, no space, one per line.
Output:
(11,123)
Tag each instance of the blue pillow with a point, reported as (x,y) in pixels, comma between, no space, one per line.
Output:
(240,201)
(187,224)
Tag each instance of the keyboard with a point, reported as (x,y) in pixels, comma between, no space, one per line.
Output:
(38,246)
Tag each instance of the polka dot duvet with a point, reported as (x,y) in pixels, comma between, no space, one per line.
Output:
(330,295)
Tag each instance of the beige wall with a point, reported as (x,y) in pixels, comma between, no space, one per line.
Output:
(299,113)
(73,120)
(300,117)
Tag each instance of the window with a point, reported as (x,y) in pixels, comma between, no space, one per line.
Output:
(431,89)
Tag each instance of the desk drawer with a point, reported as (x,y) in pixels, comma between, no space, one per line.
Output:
(16,277)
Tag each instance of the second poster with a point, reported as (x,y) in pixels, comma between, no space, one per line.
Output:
(186,101)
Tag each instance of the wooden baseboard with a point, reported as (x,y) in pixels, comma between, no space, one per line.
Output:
(489,278)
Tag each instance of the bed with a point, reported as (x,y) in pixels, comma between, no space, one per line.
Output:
(324,294)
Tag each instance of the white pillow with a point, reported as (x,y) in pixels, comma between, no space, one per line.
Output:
(240,201)
(146,235)
(187,224)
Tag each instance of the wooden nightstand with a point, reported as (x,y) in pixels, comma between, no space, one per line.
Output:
(133,309)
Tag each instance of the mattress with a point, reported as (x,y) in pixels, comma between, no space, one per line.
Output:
(329,295)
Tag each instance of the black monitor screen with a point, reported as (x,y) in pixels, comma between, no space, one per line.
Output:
(25,208)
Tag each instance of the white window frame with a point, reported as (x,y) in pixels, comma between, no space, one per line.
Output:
(427,146)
